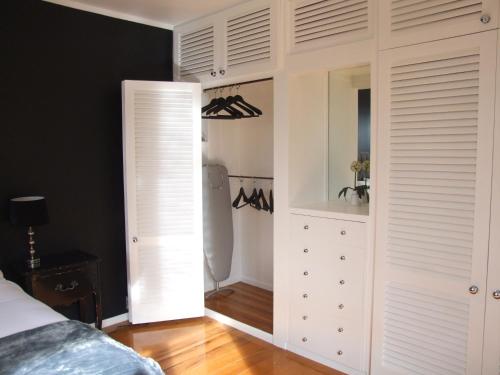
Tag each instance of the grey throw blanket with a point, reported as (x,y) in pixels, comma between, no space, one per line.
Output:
(70,347)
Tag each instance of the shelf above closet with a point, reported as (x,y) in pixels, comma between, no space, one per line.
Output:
(334,210)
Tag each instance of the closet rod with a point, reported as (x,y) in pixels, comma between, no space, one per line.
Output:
(238,84)
(251,177)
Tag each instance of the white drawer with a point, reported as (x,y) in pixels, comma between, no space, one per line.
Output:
(327,336)
(308,230)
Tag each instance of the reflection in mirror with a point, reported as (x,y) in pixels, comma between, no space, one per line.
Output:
(349,134)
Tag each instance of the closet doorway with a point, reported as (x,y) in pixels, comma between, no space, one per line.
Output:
(237,146)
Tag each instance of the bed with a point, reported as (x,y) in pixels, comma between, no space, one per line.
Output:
(34,339)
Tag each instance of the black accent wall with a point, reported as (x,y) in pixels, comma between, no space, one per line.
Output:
(60,127)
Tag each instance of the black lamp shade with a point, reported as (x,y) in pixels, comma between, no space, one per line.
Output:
(28,211)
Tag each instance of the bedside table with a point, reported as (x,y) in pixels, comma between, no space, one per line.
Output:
(64,279)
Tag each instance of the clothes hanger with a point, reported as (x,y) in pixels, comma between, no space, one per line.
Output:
(223,105)
(271,201)
(262,198)
(241,195)
(239,99)
(254,199)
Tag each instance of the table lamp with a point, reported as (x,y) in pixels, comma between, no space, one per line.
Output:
(29,211)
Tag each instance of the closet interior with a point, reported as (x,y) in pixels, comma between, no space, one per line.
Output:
(237,149)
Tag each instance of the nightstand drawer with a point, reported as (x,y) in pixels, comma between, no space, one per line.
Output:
(62,289)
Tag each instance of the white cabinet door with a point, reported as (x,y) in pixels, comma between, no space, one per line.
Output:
(250,32)
(433,206)
(162,165)
(405,22)
(196,50)
(492,325)
(312,24)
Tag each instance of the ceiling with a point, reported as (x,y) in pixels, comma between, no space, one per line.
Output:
(161,13)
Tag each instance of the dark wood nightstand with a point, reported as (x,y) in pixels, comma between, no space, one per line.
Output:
(64,279)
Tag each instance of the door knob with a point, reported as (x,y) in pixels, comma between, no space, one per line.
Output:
(473,289)
(135,239)
(496,294)
(485,18)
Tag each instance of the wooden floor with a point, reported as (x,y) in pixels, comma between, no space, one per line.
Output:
(247,304)
(204,346)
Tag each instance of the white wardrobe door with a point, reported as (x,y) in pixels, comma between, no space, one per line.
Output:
(162,164)
(436,125)
(405,22)
(492,325)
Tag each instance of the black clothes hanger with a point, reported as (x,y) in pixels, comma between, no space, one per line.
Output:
(223,105)
(262,198)
(254,200)
(239,99)
(232,100)
(241,195)
(271,201)
(210,105)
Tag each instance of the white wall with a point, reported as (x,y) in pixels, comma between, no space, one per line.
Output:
(245,147)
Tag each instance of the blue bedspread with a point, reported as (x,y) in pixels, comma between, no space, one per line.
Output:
(70,347)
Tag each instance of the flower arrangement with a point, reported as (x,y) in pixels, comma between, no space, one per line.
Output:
(362,190)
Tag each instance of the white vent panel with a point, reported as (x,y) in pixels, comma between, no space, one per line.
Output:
(164,162)
(414,14)
(196,52)
(249,38)
(433,146)
(329,19)
(424,332)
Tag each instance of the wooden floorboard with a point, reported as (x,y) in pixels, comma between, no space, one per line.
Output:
(204,346)
(247,304)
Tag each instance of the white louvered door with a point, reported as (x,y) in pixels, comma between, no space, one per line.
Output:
(162,167)
(405,22)
(195,50)
(491,364)
(249,38)
(433,208)
(320,23)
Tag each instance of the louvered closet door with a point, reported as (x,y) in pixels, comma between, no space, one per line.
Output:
(250,38)
(195,51)
(492,325)
(405,22)
(320,23)
(435,144)
(162,164)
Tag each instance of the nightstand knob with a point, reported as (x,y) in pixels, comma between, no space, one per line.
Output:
(61,288)
(340,352)
(341,306)
(343,232)
(306,227)
(340,330)
(304,339)
(135,239)
(304,317)
(304,295)
(342,282)
(306,251)
(342,257)
(306,273)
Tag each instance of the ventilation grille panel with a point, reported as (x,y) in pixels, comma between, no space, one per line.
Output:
(196,52)
(433,146)
(164,163)
(411,14)
(424,333)
(249,38)
(327,19)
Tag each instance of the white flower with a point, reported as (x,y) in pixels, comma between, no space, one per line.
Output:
(356,166)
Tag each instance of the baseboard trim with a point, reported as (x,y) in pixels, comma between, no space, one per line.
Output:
(252,331)
(113,320)
(257,283)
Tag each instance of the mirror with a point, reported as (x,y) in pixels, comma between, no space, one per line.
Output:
(349,132)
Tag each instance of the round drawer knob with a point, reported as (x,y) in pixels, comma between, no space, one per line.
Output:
(304,339)
(485,18)
(340,330)
(306,251)
(304,317)
(304,295)
(222,72)
(340,352)
(473,289)
(306,227)
(496,294)
(306,273)
(343,232)
(342,282)
(342,257)
(341,306)
(134,239)
(213,73)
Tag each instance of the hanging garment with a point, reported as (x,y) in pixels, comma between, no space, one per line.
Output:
(217,221)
